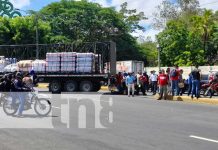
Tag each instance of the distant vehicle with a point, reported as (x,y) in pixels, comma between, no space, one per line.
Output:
(130,66)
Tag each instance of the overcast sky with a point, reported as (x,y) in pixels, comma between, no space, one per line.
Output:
(147,6)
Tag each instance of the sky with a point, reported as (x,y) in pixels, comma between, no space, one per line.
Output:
(147,6)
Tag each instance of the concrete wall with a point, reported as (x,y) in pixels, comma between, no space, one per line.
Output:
(186,70)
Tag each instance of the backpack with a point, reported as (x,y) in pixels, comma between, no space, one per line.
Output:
(173,73)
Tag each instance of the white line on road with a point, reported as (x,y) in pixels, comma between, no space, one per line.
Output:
(202,138)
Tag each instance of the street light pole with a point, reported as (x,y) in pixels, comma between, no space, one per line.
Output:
(158,49)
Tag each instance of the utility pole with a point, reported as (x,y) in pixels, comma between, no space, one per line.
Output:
(37,36)
(158,49)
(36,17)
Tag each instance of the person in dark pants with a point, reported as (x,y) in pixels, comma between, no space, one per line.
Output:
(119,78)
(189,84)
(195,83)
(181,83)
(153,79)
(146,85)
(174,76)
(143,81)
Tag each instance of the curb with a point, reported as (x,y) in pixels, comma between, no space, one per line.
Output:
(42,85)
(104,88)
(188,99)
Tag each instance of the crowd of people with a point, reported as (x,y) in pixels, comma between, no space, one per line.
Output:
(16,85)
(166,82)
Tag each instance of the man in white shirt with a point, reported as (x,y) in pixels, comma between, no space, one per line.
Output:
(153,80)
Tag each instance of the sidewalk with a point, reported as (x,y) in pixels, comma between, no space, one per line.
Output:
(188,99)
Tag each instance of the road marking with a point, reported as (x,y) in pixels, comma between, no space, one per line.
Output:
(202,138)
(56,107)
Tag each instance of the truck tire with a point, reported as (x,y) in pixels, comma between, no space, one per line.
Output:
(96,87)
(70,86)
(55,86)
(86,86)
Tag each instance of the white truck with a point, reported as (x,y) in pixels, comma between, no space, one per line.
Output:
(130,66)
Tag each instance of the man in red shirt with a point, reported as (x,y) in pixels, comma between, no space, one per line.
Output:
(174,76)
(163,82)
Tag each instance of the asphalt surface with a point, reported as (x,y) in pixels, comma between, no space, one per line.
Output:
(113,122)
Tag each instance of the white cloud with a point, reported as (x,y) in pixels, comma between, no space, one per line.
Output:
(148,7)
(20,3)
(209,4)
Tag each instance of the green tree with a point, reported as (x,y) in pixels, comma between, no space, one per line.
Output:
(173,42)
(149,50)
(83,21)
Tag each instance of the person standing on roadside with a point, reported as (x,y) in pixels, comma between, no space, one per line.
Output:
(147,82)
(162,82)
(153,79)
(195,83)
(138,83)
(174,76)
(130,83)
(169,81)
(119,78)
(143,81)
(189,84)
(181,83)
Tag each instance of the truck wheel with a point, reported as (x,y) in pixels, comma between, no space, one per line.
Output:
(86,86)
(55,86)
(71,86)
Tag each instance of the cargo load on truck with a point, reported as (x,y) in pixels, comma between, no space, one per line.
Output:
(69,67)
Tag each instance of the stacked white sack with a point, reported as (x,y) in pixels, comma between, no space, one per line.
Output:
(39,65)
(85,63)
(53,62)
(68,62)
(2,65)
(25,65)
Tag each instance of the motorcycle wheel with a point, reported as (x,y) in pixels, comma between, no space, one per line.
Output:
(42,107)
(8,109)
(204,92)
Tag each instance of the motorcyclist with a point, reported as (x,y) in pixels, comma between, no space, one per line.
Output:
(18,92)
(215,79)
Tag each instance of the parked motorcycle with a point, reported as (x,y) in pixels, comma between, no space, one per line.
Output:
(204,88)
(212,89)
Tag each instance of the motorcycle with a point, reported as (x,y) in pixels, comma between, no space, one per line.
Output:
(212,89)
(42,106)
(204,88)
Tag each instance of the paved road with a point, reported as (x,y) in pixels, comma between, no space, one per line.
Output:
(138,123)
